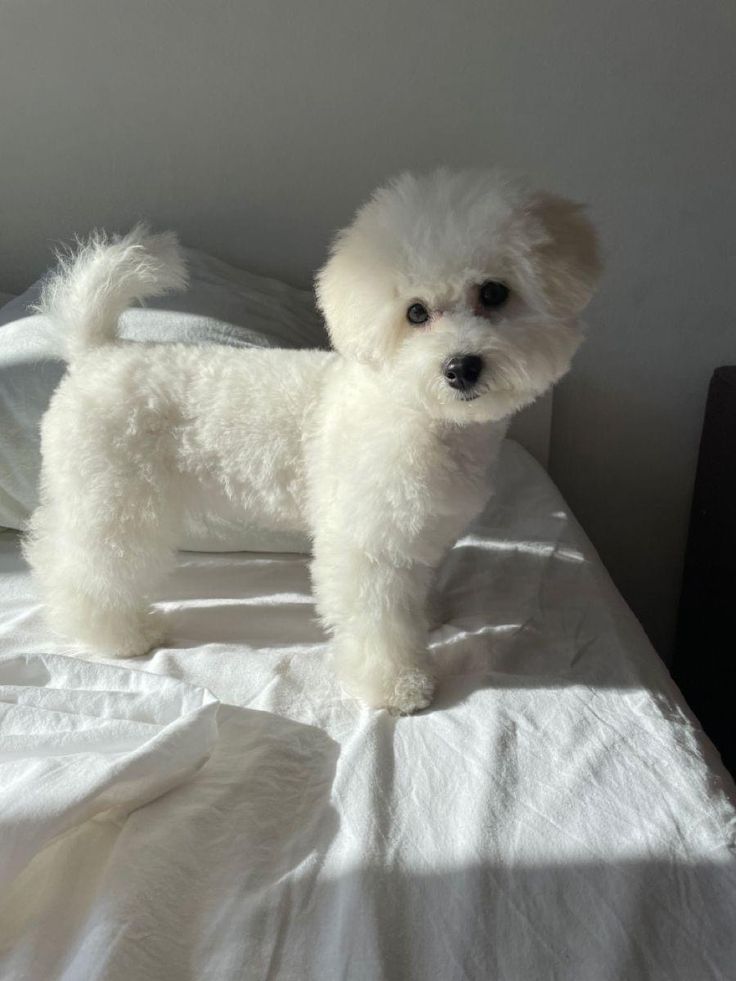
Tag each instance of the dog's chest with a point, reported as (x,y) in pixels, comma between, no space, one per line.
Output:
(464,457)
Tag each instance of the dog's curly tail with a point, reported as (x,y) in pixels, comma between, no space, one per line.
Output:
(103,276)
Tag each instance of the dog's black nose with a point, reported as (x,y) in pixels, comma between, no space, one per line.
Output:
(462,371)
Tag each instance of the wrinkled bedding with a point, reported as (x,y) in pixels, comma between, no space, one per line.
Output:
(221,809)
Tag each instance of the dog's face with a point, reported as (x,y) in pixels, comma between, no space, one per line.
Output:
(463,289)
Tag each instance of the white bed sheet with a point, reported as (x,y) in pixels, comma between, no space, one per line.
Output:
(557,814)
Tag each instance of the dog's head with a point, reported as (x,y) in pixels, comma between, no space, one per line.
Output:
(464,289)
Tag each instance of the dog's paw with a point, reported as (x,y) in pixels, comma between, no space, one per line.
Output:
(135,638)
(412,692)
(138,645)
(404,693)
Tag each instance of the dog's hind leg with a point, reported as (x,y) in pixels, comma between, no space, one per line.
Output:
(97,581)
(100,544)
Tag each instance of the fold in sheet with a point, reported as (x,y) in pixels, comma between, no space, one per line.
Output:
(556,813)
(80,738)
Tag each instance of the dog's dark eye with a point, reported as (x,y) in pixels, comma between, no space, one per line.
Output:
(417,314)
(493,295)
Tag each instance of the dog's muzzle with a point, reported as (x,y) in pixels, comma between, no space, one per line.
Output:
(462,371)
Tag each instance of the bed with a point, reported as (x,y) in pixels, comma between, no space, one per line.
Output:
(221,809)
(556,814)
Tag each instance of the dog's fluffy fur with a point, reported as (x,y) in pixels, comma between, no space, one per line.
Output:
(366,447)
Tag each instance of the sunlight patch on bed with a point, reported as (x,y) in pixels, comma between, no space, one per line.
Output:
(270,599)
(542,549)
(460,634)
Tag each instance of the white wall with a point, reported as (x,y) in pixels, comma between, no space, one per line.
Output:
(255,128)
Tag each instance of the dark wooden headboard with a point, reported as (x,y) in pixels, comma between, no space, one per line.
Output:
(704,665)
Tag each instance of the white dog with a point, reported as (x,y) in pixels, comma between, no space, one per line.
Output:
(452,301)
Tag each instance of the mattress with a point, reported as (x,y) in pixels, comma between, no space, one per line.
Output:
(221,809)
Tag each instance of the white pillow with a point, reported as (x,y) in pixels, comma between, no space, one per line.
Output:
(222,305)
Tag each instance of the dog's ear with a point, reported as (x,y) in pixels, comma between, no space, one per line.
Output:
(353,293)
(564,255)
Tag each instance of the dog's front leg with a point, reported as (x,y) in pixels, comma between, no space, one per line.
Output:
(375,611)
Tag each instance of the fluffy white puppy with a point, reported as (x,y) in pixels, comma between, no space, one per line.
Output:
(451,300)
